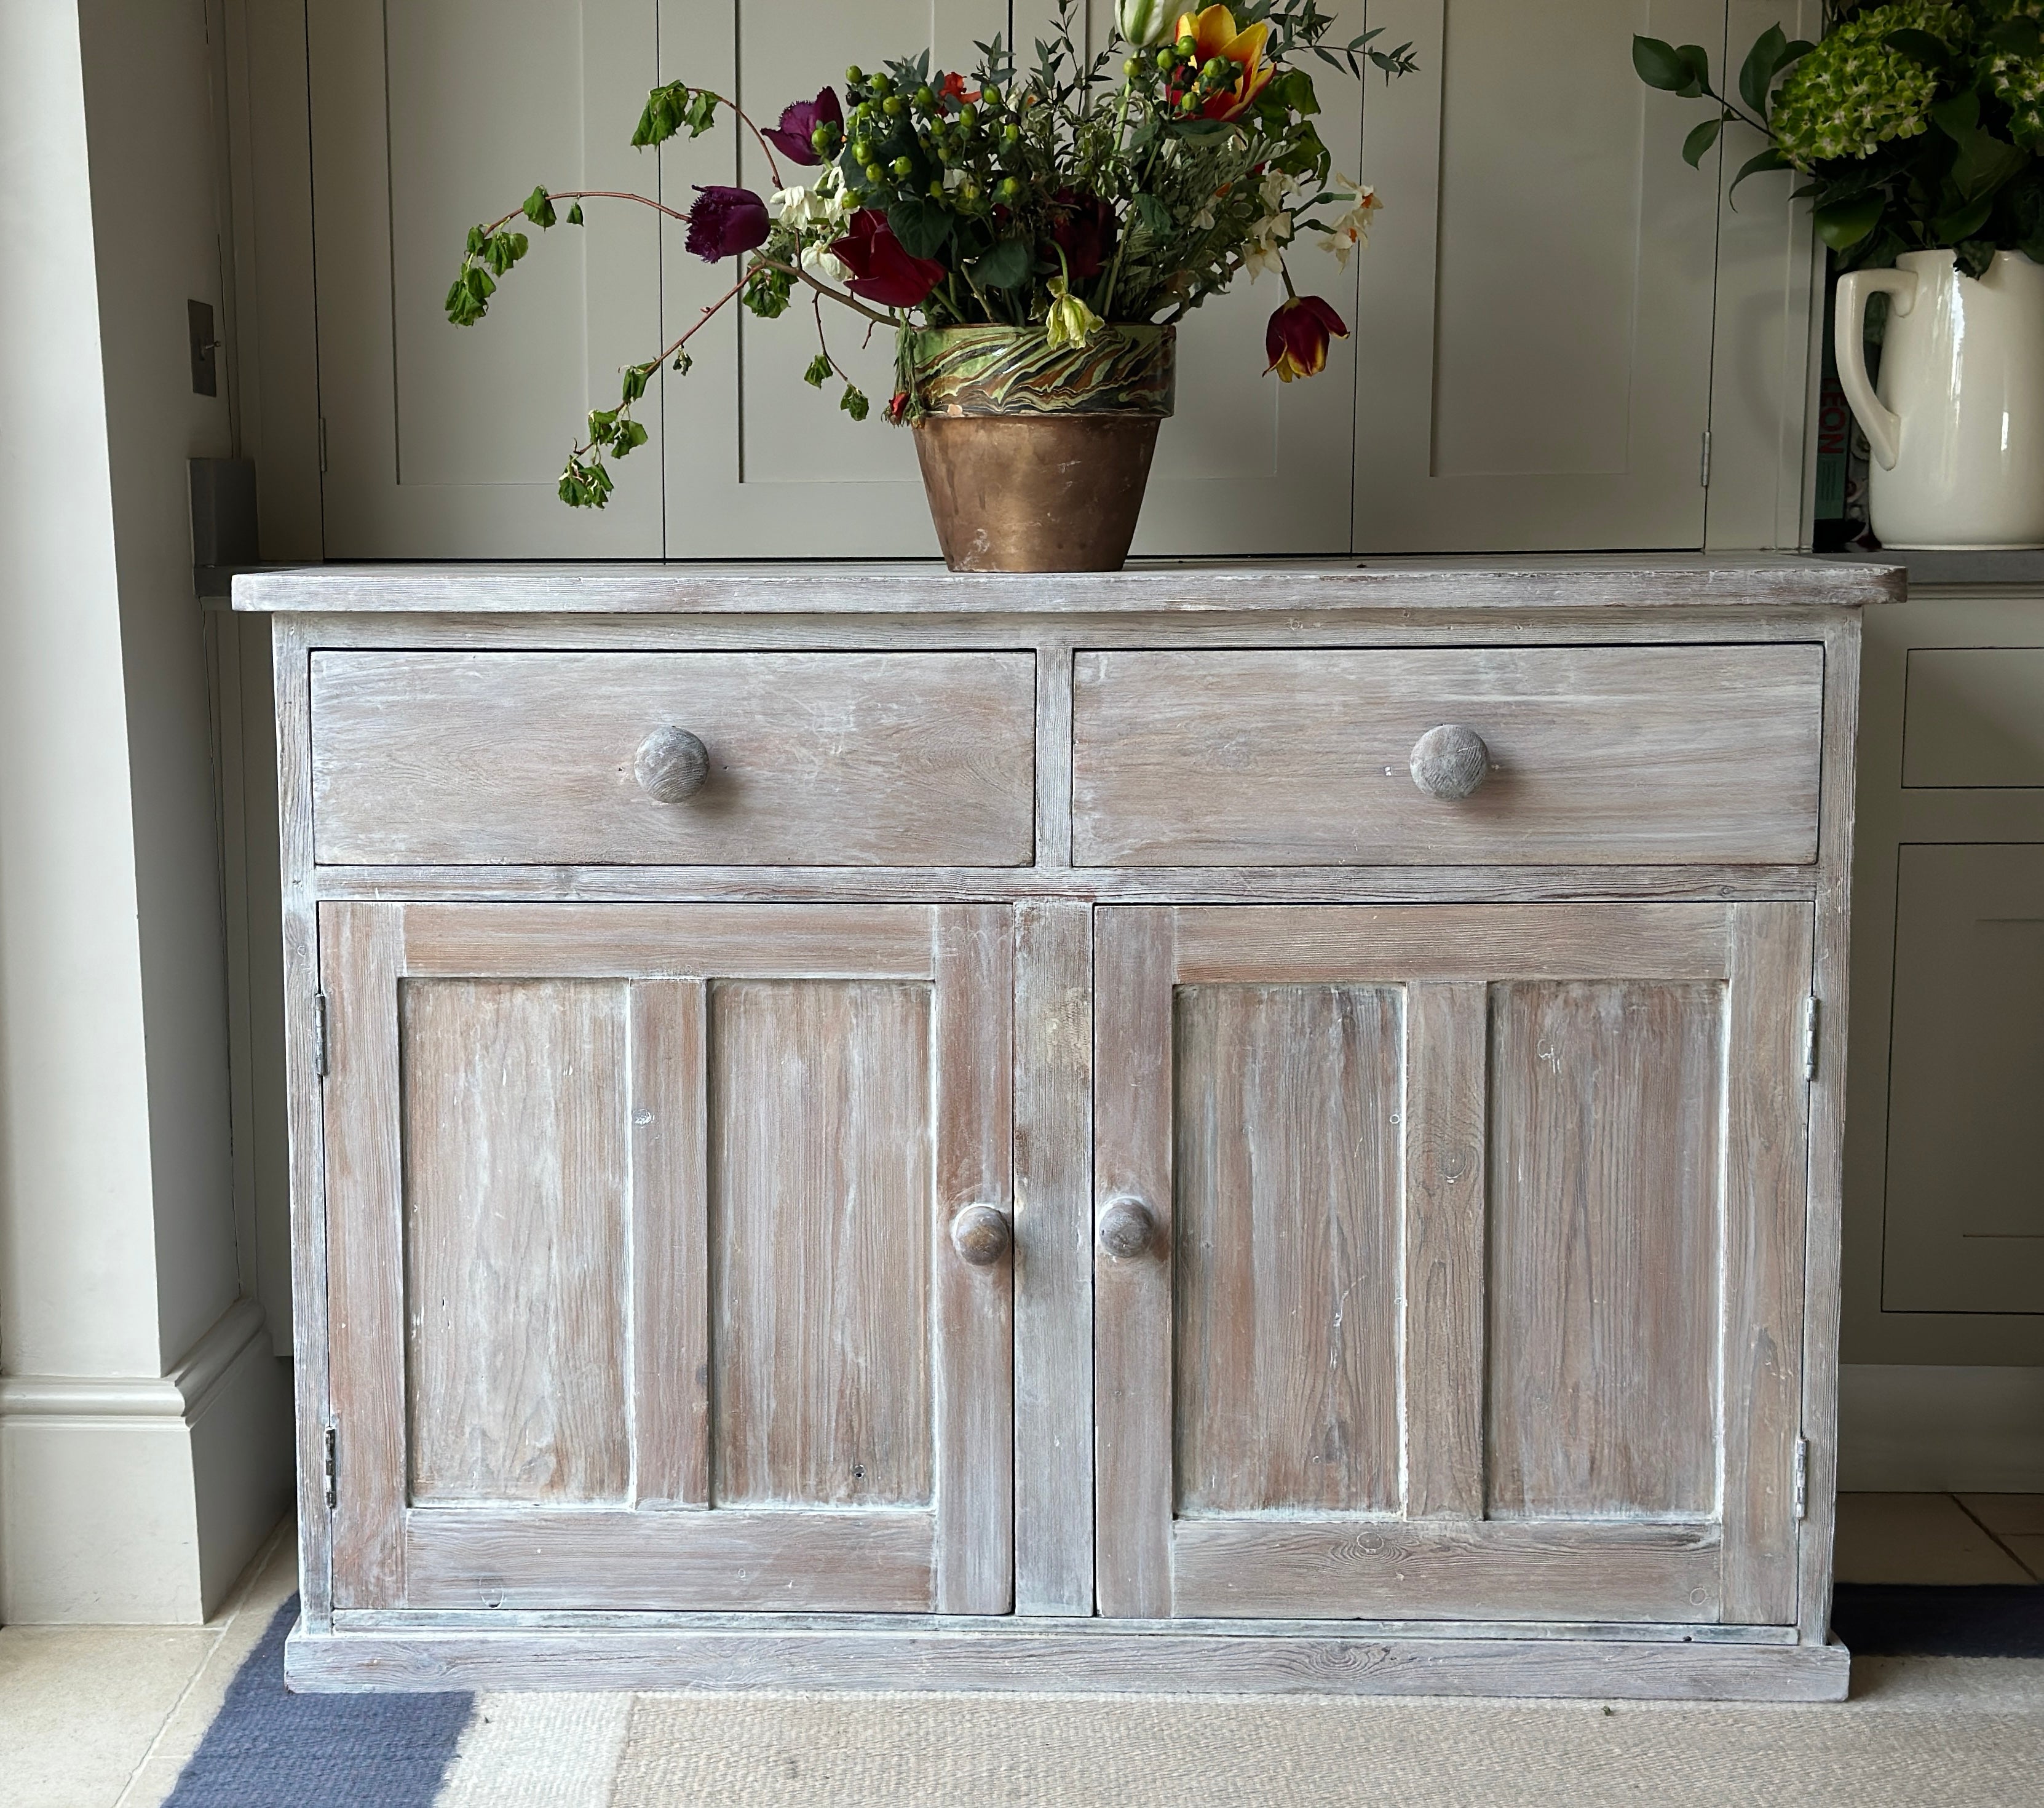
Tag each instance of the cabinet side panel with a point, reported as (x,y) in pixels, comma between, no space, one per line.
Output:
(1604,1247)
(517,1189)
(1288,1163)
(821,1182)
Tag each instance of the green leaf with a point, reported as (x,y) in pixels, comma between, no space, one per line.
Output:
(1962,222)
(476,237)
(635,381)
(1295,89)
(1756,74)
(922,226)
(683,363)
(820,368)
(1932,52)
(1006,267)
(1700,141)
(574,214)
(538,209)
(1699,62)
(854,402)
(1985,162)
(1155,215)
(1759,165)
(1842,223)
(1659,64)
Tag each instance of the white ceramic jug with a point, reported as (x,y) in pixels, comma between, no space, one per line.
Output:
(1957,428)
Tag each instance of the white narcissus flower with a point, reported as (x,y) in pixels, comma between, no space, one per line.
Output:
(1350,231)
(1263,249)
(827,268)
(796,207)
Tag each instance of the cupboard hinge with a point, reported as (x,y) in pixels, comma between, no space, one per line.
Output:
(322,449)
(1802,1478)
(319,1034)
(1810,1038)
(333,1468)
(1704,477)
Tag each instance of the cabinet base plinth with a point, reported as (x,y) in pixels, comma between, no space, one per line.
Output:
(1054,1658)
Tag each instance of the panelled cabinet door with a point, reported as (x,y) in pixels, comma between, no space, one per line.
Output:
(429,116)
(1449,1260)
(646,1289)
(1536,303)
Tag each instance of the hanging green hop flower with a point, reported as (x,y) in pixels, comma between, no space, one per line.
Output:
(1852,93)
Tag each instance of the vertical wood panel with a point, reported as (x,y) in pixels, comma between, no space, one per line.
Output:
(670,1243)
(1287,1102)
(516,1191)
(1053,1257)
(1133,962)
(1766,1153)
(821,1203)
(972,1352)
(1604,1173)
(1446,1052)
(360,962)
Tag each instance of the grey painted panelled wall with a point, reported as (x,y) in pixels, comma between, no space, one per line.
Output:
(1553,313)
(1456,1255)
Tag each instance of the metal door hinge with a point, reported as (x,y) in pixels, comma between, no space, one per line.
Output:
(333,1468)
(1802,1478)
(1704,477)
(319,1034)
(322,440)
(1810,1038)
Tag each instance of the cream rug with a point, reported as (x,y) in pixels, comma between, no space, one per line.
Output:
(1967,1731)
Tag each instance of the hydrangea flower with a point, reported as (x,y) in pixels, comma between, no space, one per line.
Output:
(1852,93)
(2018,81)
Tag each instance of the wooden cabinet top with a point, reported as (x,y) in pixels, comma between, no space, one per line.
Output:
(1577,582)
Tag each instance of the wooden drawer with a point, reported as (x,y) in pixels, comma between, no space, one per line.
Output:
(846,759)
(1600,755)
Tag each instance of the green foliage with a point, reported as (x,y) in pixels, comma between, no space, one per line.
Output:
(854,402)
(539,208)
(1918,124)
(766,291)
(670,108)
(819,371)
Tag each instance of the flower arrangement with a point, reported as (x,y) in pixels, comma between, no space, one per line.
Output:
(1919,123)
(1051,198)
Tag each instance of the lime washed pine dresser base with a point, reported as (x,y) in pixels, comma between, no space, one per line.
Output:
(1214,1127)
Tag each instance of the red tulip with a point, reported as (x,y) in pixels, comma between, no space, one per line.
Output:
(1084,228)
(795,137)
(725,222)
(882,270)
(1298,336)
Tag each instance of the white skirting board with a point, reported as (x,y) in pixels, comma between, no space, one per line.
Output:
(137,1501)
(1920,1428)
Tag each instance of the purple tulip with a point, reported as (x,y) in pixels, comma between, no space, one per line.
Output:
(726,221)
(795,137)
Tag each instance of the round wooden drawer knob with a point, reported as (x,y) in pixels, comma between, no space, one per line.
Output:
(671,765)
(1449,761)
(981,1236)
(1127,1229)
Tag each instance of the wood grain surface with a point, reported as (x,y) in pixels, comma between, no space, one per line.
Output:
(1604,1109)
(516,1239)
(1287,1120)
(838,759)
(1598,755)
(820,1211)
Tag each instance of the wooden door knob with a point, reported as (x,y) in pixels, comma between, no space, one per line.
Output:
(1127,1229)
(1449,761)
(981,1235)
(671,765)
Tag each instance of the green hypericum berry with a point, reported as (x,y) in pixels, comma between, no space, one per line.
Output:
(937,188)
(881,85)
(1011,132)
(854,75)
(1010,187)
(820,140)
(1187,47)
(925,99)
(903,165)
(968,115)
(861,152)
(1167,59)
(875,173)
(894,106)
(991,95)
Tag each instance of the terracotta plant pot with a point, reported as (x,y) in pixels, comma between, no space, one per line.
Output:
(1035,458)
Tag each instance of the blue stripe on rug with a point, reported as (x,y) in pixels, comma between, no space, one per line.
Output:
(266,1748)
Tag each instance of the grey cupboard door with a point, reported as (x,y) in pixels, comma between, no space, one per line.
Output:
(1536,309)
(757,464)
(1450,1260)
(429,116)
(641,1287)
(1964,1227)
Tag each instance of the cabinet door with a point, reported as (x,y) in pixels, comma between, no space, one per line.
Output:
(1536,302)
(428,117)
(1473,1281)
(641,1286)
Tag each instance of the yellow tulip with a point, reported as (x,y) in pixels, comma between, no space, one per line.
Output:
(1213,33)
